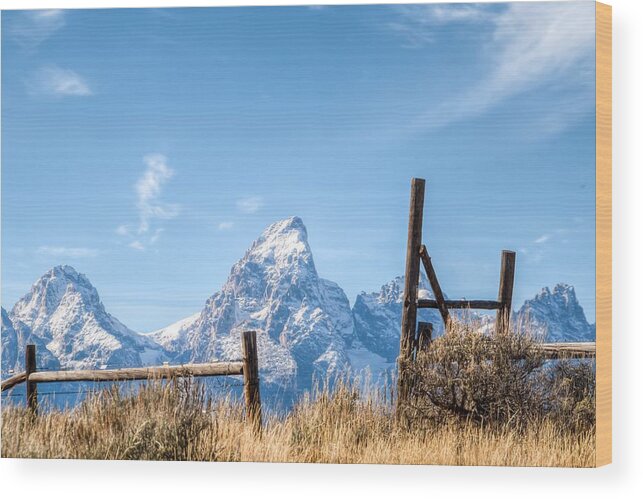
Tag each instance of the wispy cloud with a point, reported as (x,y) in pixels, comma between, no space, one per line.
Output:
(148,189)
(150,206)
(29,29)
(123,230)
(542,239)
(417,22)
(251,204)
(225,225)
(54,81)
(137,245)
(67,252)
(530,44)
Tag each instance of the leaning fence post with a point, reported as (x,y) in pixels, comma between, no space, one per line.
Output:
(32,387)
(505,292)
(251,378)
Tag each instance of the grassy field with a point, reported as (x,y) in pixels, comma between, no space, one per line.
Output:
(176,422)
(476,400)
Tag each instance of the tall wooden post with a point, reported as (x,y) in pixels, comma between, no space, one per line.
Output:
(251,378)
(32,387)
(505,292)
(411,281)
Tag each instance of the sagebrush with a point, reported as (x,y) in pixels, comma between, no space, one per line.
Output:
(477,400)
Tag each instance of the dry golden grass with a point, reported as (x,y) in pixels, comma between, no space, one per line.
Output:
(176,422)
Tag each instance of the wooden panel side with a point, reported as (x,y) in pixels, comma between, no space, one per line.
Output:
(603,234)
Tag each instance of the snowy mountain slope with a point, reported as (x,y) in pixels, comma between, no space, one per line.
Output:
(173,338)
(304,322)
(378,316)
(15,336)
(63,315)
(556,316)
(305,325)
(10,347)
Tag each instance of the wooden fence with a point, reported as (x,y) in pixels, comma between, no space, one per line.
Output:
(416,336)
(248,367)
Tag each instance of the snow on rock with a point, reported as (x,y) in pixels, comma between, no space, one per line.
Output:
(378,317)
(306,328)
(10,345)
(303,322)
(63,315)
(556,316)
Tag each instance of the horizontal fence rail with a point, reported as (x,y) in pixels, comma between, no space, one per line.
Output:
(140,373)
(14,380)
(472,304)
(248,367)
(585,350)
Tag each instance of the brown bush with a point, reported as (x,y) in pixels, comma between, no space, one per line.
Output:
(570,394)
(498,380)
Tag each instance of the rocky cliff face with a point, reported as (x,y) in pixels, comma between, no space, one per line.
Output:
(304,323)
(63,315)
(10,346)
(306,328)
(378,317)
(556,316)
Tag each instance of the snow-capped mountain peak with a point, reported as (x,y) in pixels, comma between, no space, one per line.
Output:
(63,314)
(304,322)
(556,315)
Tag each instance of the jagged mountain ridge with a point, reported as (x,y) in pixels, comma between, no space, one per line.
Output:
(378,316)
(305,324)
(556,315)
(63,315)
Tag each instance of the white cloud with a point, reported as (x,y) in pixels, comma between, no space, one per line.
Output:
(225,225)
(542,239)
(417,21)
(29,29)
(67,252)
(250,204)
(155,237)
(137,245)
(123,230)
(54,81)
(150,207)
(148,189)
(439,14)
(530,44)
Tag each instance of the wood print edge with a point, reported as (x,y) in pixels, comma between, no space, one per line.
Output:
(603,234)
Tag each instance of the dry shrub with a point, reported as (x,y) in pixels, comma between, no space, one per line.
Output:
(498,380)
(344,425)
(570,394)
(478,400)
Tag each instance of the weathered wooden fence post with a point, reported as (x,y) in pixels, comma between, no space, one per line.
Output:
(435,286)
(424,337)
(32,387)
(251,378)
(505,291)
(411,281)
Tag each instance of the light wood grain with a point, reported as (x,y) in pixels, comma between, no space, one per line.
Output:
(139,373)
(568,350)
(14,380)
(603,234)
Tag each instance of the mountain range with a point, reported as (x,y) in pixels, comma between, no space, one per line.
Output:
(306,327)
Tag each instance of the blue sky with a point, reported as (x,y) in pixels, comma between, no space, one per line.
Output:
(149,147)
